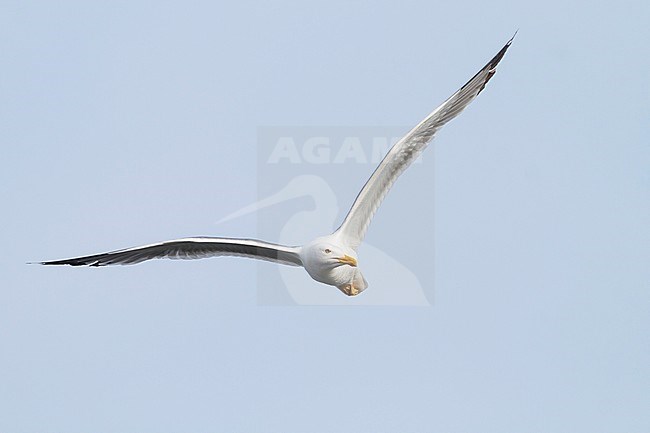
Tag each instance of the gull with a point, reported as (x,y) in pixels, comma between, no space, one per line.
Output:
(330,259)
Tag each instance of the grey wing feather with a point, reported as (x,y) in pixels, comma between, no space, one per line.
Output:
(190,248)
(406,150)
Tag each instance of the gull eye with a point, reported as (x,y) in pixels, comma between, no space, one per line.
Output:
(327,251)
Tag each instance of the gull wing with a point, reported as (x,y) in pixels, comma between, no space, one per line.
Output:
(402,154)
(190,248)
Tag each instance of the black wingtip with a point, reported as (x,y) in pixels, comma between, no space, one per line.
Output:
(492,64)
(496,59)
(70,262)
(513,36)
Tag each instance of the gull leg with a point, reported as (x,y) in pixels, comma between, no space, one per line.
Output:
(349,290)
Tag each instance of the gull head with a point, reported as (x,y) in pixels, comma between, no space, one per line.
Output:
(329,261)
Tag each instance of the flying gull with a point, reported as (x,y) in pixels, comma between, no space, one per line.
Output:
(330,259)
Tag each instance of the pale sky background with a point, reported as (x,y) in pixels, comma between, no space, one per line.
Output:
(124,123)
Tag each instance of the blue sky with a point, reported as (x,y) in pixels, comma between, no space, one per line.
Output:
(125,123)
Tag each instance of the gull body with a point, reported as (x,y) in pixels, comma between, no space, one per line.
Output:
(330,259)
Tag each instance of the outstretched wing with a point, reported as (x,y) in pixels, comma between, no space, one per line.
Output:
(408,149)
(190,248)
